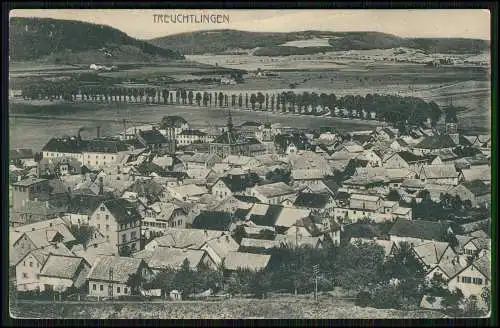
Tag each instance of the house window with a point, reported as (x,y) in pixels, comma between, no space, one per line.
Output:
(96,162)
(477,281)
(466,280)
(124,238)
(132,235)
(101,288)
(107,237)
(25,275)
(107,217)
(118,290)
(94,287)
(31,264)
(98,226)
(24,262)
(107,227)
(125,290)
(102,209)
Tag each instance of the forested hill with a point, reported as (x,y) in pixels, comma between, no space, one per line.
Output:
(74,41)
(219,41)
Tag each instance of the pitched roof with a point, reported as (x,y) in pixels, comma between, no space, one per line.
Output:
(247,199)
(259,243)
(122,210)
(369,198)
(239,260)
(264,215)
(92,252)
(478,172)
(483,264)
(173,121)
(431,253)
(166,257)
(121,267)
(289,216)
(21,153)
(311,200)
(427,230)
(410,157)
(193,133)
(237,183)
(477,187)
(186,238)
(307,174)
(223,245)
(439,171)
(274,189)
(61,266)
(387,245)
(436,142)
(292,240)
(212,220)
(84,204)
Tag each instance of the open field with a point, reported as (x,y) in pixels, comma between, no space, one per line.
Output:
(33,132)
(274,308)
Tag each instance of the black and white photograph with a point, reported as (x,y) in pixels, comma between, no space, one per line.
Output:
(249,164)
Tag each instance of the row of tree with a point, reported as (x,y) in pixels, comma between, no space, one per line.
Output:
(389,108)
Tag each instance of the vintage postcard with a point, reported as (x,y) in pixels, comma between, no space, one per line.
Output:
(236,164)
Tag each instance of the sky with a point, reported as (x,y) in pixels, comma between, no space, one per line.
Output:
(139,23)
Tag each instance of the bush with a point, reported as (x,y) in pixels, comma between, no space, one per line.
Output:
(363,299)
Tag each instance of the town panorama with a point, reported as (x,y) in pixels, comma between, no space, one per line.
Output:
(231,174)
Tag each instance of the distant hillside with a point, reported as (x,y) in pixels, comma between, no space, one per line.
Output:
(271,44)
(73,42)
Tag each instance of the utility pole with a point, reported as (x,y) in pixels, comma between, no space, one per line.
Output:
(315,272)
(111,282)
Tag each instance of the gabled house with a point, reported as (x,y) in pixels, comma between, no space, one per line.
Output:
(231,185)
(476,192)
(478,172)
(272,193)
(316,203)
(202,160)
(307,177)
(473,278)
(184,238)
(30,264)
(440,174)
(120,222)
(172,258)
(113,276)
(477,247)
(218,248)
(61,272)
(434,143)
(405,159)
(431,254)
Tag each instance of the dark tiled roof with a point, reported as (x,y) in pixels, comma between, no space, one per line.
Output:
(106,146)
(146,168)
(237,183)
(436,142)
(410,157)
(312,200)
(332,185)
(84,204)
(66,145)
(152,137)
(173,122)
(122,210)
(477,187)
(362,138)
(389,132)
(241,213)
(211,220)
(249,123)
(269,219)
(420,229)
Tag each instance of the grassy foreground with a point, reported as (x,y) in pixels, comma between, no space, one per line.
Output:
(276,308)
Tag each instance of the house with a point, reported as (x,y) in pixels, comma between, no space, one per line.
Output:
(444,174)
(20,156)
(476,192)
(239,260)
(120,221)
(172,126)
(153,140)
(292,240)
(113,276)
(29,266)
(94,249)
(399,145)
(264,214)
(231,185)
(416,232)
(71,147)
(473,278)
(258,246)
(211,220)
(161,215)
(81,207)
(187,192)
(99,153)
(243,162)
(272,193)
(316,203)
(188,137)
(478,172)
(477,247)
(307,177)
(288,217)
(61,272)
(202,160)
(385,134)
(374,157)
(405,159)
(434,143)
(173,258)
(28,189)
(218,248)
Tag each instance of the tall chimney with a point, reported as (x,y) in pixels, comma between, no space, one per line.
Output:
(101,186)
